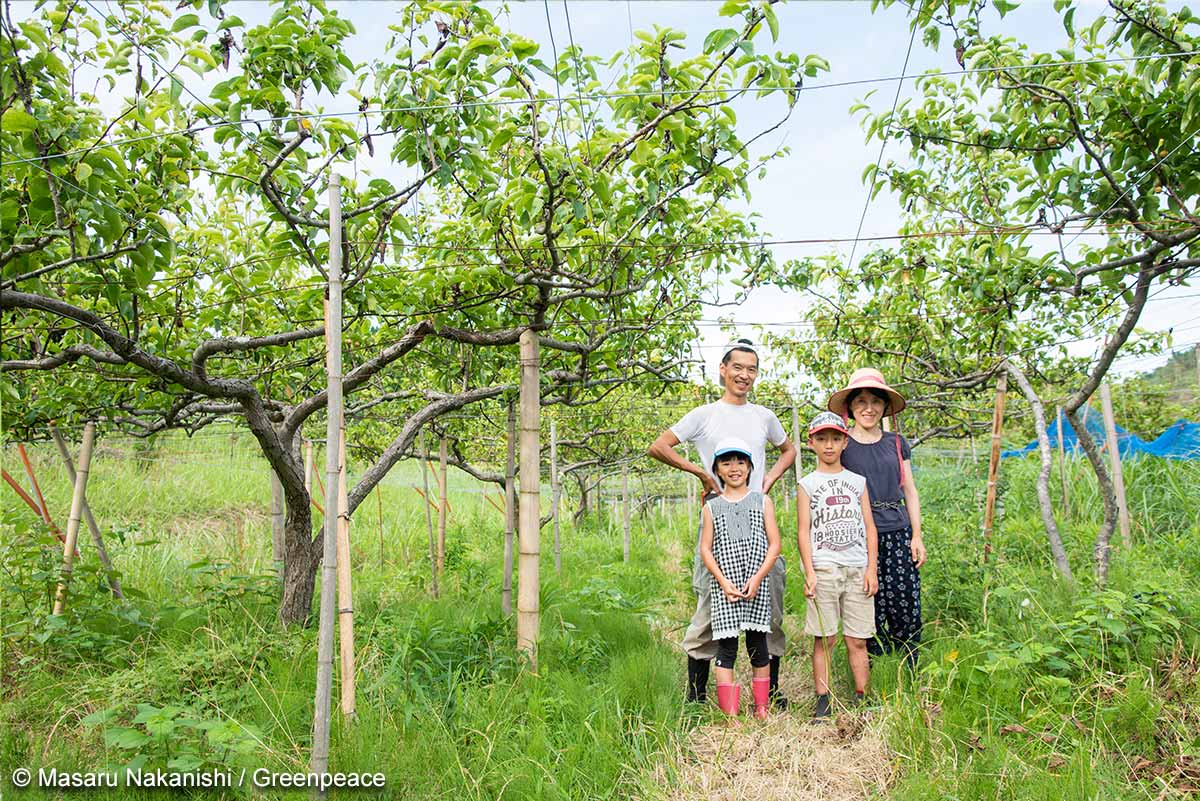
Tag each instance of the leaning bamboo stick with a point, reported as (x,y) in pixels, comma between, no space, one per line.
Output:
(1062,467)
(277,521)
(443,506)
(379,503)
(433,571)
(37,490)
(626,509)
(555,496)
(510,509)
(1114,455)
(81,477)
(345,591)
(994,465)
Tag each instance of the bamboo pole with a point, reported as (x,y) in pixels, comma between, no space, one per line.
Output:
(433,570)
(555,496)
(626,521)
(510,510)
(308,466)
(994,465)
(1062,467)
(798,467)
(33,483)
(276,521)
(333,409)
(1114,455)
(529,541)
(345,589)
(379,503)
(77,499)
(443,506)
(97,538)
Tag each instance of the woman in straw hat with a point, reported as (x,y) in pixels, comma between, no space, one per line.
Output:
(884,459)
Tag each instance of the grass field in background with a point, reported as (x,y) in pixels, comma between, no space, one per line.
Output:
(1027,689)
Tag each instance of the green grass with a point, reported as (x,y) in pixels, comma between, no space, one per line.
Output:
(1103,683)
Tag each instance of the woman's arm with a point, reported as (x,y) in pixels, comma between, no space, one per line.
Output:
(913,503)
(871,574)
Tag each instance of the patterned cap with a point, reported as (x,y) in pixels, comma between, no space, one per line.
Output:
(827,420)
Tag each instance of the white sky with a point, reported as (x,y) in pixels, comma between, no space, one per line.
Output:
(816,193)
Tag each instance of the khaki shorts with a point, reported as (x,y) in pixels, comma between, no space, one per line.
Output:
(840,599)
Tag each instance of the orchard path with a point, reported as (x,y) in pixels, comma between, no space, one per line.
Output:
(784,758)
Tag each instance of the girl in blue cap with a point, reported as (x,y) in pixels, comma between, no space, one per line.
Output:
(739,543)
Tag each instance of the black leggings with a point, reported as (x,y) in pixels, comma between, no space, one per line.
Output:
(756,646)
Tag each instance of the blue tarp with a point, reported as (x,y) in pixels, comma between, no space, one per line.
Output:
(1180,441)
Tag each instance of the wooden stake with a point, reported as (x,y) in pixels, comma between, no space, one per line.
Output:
(77,499)
(555,496)
(276,521)
(97,539)
(798,467)
(626,520)
(529,541)
(510,510)
(33,482)
(379,501)
(333,409)
(443,506)
(1062,467)
(994,466)
(433,571)
(308,466)
(1114,455)
(345,591)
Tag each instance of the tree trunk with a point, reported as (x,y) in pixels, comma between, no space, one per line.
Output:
(582,509)
(1108,496)
(301,558)
(1043,480)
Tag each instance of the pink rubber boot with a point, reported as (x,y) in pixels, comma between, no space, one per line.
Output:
(729,697)
(762,697)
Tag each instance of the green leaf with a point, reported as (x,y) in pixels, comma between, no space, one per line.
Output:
(732,8)
(1004,6)
(176,89)
(772,22)
(481,43)
(16,119)
(83,171)
(127,739)
(186,21)
(719,39)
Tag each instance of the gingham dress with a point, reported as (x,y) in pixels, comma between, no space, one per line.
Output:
(739,546)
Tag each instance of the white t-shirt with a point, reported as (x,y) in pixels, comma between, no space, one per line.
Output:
(838,533)
(705,426)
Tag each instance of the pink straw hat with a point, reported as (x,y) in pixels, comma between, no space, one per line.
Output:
(866,378)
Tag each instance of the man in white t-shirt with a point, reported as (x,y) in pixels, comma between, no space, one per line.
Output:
(731,416)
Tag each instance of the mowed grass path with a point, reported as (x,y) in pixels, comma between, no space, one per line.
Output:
(1027,689)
